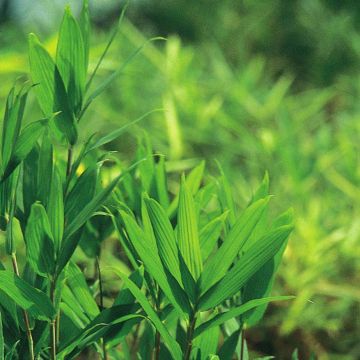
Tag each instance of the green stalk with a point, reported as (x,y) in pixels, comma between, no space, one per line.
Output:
(25,314)
(190,334)
(53,329)
(101,303)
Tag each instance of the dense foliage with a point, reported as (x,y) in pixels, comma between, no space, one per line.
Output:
(248,112)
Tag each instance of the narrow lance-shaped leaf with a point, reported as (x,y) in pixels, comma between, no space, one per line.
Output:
(34,301)
(256,256)
(39,241)
(165,237)
(70,60)
(45,168)
(50,90)
(188,236)
(230,248)
(84,24)
(153,265)
(55,209)
(14,111)
(236,311)
(25,142)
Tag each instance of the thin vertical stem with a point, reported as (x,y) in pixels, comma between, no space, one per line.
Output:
(190,334)
(157,345)
(242,348)
(25,314)
(53,328)
(101,294)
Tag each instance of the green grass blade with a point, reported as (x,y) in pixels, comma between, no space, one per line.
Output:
(70,60)
(234,241)
(256,256)
(188,235)
(40,250)
(34,301)
(50,90)
(25,142)
(237,311)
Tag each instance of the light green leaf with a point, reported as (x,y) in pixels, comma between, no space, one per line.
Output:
(34,301)
(210,233)
(235,312)
(70,60)
(234,241)
(50,89)
(84,24)
(40,250)
(25,142)
(160,181)
(256,256)
(188,236)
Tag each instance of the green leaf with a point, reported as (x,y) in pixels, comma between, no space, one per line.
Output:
(235,312)
(160,181)
(81,193)
(256,256)
(50,90)
(55,209)
(71,236)
(84,24)
(228,348)
(207,343)
(233,243)
(153,265)
(77,284)
(40,242)
(165,237)
(169,341)
(210,233)
(188,236)
(45,168)
(71,61)
(193,181)
(14,112)
(34,301)
(25,142)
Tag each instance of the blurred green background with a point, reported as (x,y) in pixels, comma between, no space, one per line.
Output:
(258,85)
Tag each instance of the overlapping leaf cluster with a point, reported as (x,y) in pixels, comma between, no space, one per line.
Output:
(197,261)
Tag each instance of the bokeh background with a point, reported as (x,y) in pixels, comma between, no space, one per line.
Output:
(257,85)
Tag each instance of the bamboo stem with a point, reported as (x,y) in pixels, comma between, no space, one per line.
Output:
(190,334)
